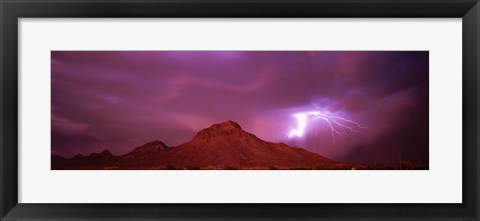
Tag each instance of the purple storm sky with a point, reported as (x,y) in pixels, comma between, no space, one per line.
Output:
(119,100)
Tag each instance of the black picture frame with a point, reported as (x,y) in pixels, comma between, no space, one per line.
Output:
(12,10)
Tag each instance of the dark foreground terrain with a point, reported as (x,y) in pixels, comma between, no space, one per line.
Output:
(223,146)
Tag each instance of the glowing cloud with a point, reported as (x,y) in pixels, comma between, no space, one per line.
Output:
(301,124)
(338,125)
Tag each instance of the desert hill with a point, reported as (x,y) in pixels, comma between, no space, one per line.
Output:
(221,146)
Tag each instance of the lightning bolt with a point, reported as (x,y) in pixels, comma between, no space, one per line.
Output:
(339,126)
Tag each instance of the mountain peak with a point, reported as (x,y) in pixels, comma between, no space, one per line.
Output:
(222,129)
(228,125)
(104,153)
(78,156)
(152,146)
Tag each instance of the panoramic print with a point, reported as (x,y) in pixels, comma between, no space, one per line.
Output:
(240,110)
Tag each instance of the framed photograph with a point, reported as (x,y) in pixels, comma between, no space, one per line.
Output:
(255,110)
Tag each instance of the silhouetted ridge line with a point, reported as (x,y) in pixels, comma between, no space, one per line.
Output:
(221,146)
